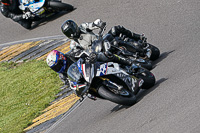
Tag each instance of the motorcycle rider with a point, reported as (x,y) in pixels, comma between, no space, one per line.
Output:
(83,36)
(10,9)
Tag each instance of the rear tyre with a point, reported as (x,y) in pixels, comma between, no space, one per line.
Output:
(127,100)
(59,6)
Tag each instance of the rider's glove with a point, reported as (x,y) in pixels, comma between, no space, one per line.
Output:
(27,15)
(99,23)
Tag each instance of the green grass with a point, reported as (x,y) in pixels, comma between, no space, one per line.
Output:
(25,90)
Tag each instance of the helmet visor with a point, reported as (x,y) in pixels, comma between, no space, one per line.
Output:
(70,29)
(57,67)
(70,32)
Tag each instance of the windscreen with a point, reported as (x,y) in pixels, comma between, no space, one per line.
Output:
(73,73)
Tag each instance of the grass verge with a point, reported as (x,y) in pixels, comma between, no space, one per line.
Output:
(25,90)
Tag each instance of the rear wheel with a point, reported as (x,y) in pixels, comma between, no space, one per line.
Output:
(124,97)
(59,6)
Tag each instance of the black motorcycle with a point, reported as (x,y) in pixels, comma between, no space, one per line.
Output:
(116,47)
(103,44)
(140,48)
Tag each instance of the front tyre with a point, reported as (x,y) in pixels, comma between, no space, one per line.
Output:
(127,98)
(148,77)
(155,52)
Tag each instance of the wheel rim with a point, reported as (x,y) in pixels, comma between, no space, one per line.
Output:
(122,92)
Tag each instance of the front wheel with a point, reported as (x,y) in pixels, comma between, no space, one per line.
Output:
(125,97)
(148,77)
(155,52)
(59,6)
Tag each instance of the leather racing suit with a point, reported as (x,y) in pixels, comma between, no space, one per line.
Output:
(87,36)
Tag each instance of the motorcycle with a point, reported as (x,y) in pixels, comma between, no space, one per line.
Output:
(103,80)
(123,52)
(116,48)
(111,81)
(141,48)
(146,63)
(43,8)
(103,44)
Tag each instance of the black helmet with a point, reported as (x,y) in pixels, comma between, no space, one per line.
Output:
(70,29)
(6,2)
(57,61)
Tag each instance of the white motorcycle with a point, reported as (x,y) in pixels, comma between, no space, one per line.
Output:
(43,8)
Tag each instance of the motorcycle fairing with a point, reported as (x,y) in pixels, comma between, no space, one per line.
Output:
(113,68)
(102,69)
(88,71)
(76,86)
(79,66)
(128,80)
(107,68)
(31,4)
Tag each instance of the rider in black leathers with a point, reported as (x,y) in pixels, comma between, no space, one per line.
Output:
(10,9)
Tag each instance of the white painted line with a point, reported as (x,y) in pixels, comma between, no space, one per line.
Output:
(66,114)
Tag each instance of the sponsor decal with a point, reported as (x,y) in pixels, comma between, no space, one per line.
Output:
(102,70)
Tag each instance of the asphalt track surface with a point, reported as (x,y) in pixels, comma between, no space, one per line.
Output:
(171,106)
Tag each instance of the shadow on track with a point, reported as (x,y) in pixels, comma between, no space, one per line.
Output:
(119,107)
(140,95)
(143,92)
(162,57)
